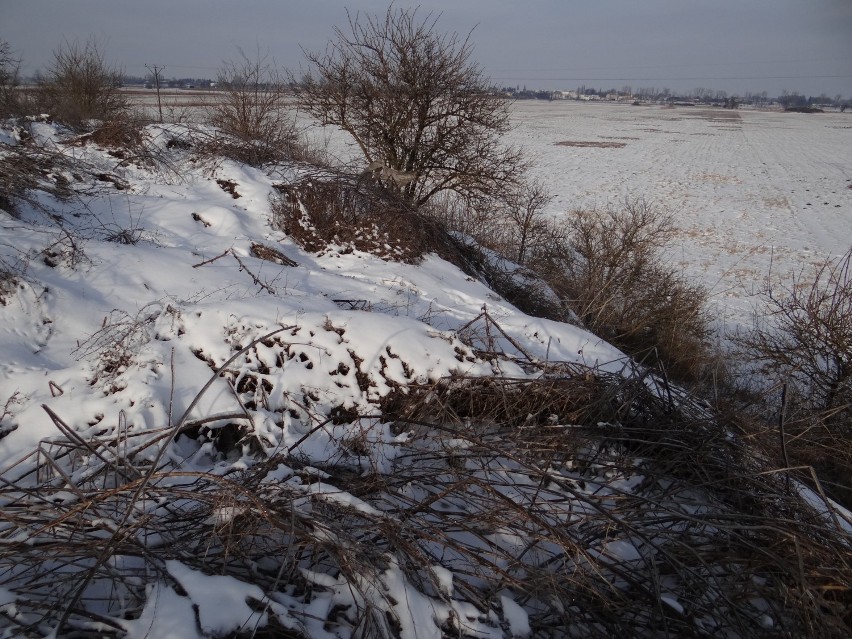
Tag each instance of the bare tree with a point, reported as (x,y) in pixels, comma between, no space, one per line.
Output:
(414,101)
(252,112)
(81,86)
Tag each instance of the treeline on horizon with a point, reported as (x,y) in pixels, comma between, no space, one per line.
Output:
(702,95)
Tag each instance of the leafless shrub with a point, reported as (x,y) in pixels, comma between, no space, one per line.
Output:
(81,86)
(528,229)
(130,233)
(113,347)
(606,265)
(7,425)
(519,285)
(807,336)
(454,214)
(122,137)
(67,248)
(414,102)
(251,113)
(804,339)
(28,168)
(495,241)
(513,225)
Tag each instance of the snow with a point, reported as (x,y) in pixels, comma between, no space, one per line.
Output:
(7,597)
(166,615)
(221,600)
(170,310)
(121,337)
(519,622)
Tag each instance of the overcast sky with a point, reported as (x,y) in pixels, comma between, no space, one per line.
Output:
(732,45)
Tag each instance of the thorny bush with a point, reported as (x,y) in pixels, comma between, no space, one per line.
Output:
(415,103)
(251,116)
(606,265)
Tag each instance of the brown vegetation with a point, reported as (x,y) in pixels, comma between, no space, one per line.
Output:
(80,86)
(254,125)
(27,167)
(805,344)
(344,213)
(605,266)
(522,488)
(608,269)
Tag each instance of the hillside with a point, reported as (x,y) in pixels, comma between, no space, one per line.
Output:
(210,431)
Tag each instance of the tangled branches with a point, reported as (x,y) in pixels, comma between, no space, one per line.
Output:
(584,501)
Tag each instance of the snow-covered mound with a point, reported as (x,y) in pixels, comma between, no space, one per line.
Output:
(125,298)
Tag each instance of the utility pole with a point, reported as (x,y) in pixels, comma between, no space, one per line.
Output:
(156,71)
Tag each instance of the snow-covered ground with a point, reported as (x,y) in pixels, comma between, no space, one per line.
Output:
(748,188)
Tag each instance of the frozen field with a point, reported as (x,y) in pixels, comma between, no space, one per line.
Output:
(748,188)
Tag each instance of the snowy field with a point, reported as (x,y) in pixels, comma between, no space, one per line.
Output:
(748,188)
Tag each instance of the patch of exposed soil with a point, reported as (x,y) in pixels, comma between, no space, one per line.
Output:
(720,115)
(597,145)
